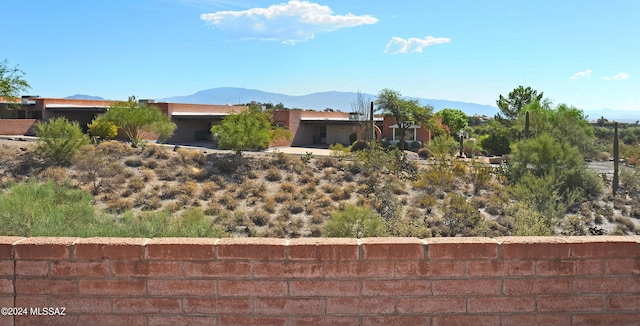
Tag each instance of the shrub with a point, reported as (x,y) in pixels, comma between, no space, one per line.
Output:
(259,217)
(133,162)
(338,151)
(119,205)
(415,145)
(102,129)
(59,139)
(359,145)
(424,153)
(354,222)
(460,216)
(273,174)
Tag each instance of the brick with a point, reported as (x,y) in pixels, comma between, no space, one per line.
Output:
(32,268)
(399,288)
(228,288)
(217,269)
(501,304)
(623,266)
(81,305)
(289,306)
(6,286)
(537,286)
(396,320)
(181,287)
(570,267)
(181,249)
(112,320)
(288,270)
(44,248)
(6,246)
(143,268)
(534,247)
(570,303)
(606,285)
(535,320)
(323,249)
(430,269)
(324,321)
(604,247)
(465,287)
(109,248)
(217,306)
(360,306)
(430,305)
(7,268)
(500,268)
(392,249)
(250,320)
(617,319)
(146,306)
(79,269)
(324,288)
(462,248)
(30,301)
(465,320)
(46,286)
(111,287)
(252,248)
(631,303)
(159,320)
(382,269)
(46,320)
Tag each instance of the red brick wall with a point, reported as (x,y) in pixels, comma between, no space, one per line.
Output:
(379,281)
(17,126)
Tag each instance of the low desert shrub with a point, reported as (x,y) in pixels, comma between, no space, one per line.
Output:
(354,222)
(273,174)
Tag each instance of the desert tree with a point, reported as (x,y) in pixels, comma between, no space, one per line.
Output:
(511,105)
(136,119)
(12,82)
(405,112)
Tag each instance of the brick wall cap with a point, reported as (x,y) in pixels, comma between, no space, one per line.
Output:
(253,241)
(478,240)
(323,242)
(113,241)
(10,240)
(602,239)
(46,241)
(530,240)
(180,241)
(367,241)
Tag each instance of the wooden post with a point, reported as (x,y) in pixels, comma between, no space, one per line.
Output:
(616,160)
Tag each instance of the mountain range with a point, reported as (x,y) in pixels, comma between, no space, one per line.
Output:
(339,101)
(343,101)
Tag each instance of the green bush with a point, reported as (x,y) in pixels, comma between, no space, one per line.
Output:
(460,216)
(424,153)
(354,222)
(102,129)
(359,145)
(59,139)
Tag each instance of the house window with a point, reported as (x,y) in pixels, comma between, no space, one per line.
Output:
(409,135)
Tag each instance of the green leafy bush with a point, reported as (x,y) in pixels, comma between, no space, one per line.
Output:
(359,145)
(354,222)
(59,139)
(102,129)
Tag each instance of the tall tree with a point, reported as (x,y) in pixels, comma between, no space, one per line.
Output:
(360,106)
(511,106)
(405,112)
(454,118)
(11,82)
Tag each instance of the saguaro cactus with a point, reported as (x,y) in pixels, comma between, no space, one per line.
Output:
(616,160)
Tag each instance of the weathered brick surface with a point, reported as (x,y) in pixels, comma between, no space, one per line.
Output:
(382,281)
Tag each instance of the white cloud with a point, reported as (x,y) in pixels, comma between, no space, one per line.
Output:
(581,74)
(292,22)
(620,76)
(400,45)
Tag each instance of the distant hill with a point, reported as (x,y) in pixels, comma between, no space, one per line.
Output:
(84,97)
(340,101)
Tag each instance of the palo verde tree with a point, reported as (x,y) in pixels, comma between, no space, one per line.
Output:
(11,82)
(405,112)
(136,119)
(251,129)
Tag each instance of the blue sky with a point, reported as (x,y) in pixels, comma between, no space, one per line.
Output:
(584,53)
